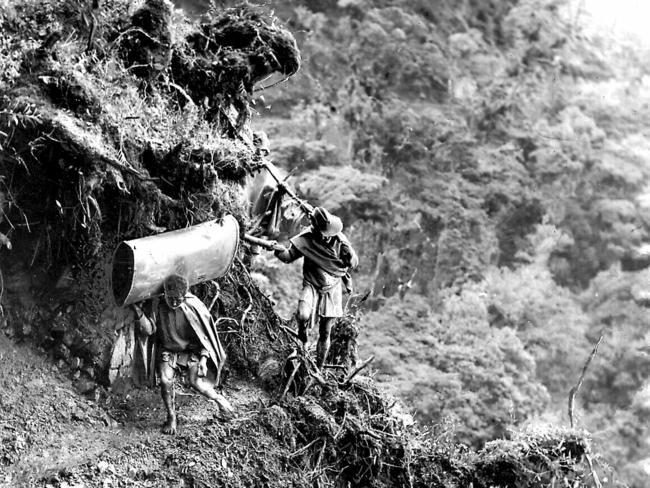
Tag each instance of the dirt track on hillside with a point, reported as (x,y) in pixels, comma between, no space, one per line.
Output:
(52,436)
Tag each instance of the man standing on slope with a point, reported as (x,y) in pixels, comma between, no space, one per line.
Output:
(187,343)
(328,257)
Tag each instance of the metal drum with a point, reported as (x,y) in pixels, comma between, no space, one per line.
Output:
(199,253)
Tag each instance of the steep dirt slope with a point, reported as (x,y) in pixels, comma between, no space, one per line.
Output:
(118,123)
(52,435)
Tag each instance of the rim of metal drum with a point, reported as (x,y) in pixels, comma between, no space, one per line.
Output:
(122,247)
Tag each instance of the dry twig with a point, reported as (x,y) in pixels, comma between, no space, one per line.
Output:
(593,472)
(574,391)
(296,366)
(216,295)
(357,370)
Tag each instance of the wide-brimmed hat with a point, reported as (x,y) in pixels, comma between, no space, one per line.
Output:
(329,225)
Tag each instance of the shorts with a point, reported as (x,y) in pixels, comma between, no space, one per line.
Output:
(179,360)
(327,303)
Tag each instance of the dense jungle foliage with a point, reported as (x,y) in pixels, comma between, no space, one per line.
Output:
(490,160)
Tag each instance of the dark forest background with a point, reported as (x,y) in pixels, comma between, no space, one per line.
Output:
(490,161)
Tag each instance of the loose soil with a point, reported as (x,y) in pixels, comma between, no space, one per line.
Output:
(54,436)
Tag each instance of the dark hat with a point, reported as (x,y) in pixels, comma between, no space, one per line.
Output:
(329,225)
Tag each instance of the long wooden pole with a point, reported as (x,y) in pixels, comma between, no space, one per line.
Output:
(266,244)
(308,209)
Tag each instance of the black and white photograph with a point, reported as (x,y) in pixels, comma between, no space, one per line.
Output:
(324,244)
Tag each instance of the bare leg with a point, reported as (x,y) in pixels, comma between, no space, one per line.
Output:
(323,347)
(206,388)
(303,315)
(167,374)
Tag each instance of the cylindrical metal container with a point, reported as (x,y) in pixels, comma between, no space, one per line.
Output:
(199,253)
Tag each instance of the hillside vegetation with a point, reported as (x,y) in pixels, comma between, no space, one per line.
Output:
(491,193)
(490,160)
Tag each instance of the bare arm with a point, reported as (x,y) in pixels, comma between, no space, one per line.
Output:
(287,255)
(145,325)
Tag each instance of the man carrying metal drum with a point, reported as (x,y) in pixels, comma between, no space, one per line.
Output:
(187,343)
